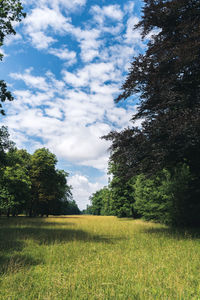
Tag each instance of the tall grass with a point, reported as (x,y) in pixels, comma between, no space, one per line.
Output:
(88,257)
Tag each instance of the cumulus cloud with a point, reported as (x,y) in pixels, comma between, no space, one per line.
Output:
(40,40)
(37,82)
(64,54)
(83,189)
(69,114)
(42,19)
(12,38)
(70,122)
(111,11)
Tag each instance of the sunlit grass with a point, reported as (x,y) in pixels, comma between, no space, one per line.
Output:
(88,257)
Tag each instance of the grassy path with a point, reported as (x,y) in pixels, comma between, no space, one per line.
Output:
(88,257)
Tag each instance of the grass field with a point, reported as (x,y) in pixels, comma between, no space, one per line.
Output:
(88,257)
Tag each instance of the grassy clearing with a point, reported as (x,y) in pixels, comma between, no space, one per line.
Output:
(88,257)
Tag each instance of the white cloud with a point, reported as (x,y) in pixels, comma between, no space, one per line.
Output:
(111,11)
(131,35)
(41,19)
(70,114)
(129,7)
(95,71)
(69,5)
(70,122)
(64,54)
(83,189)
(40,40)
(31,81)
(12,38)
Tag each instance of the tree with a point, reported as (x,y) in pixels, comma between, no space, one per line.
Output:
(5,144)
(167,78)
(42,175)
(70,208)
(121,192)
(15,184)
(163,197)
(10,11)
(97,203)
(49,186)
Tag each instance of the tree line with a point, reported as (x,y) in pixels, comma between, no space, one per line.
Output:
(155,167)
(31,184)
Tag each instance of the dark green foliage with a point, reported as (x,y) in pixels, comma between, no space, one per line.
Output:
(31,184)
(49,186)
(101,203)
(164,197)
(122,197)
(15,184)
(167,78)
(10,11)
(117,200)
(5,144)
(97,202)
(4,95)
(87,211)
(71,208)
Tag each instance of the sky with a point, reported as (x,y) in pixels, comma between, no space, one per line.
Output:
(65,66)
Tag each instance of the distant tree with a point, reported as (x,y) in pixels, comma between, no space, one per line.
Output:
(121,192)
(61,194)
(88,210)
(107,209)
(97,202)
(100,203)
(42,175)
(71,208)
(49,185)
(5,144)
(10,11)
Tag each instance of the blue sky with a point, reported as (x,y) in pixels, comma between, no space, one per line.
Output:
(64,67)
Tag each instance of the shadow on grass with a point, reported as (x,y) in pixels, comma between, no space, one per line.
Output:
(15,233)
(30,222)
(49,236)
(11,264)
(175,233)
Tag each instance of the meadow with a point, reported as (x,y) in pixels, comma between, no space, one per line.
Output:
(93,257)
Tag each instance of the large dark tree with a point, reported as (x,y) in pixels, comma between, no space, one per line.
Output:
(167,78)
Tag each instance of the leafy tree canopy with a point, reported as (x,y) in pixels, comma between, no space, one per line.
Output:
(10,11)
(167,77)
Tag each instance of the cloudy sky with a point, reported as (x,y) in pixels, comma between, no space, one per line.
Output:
(64,67)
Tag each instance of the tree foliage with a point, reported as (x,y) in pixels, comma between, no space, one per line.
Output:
(167,78)
(10,11)
(31,184)
(164,197)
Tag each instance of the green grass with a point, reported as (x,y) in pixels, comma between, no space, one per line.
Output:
(88,257)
